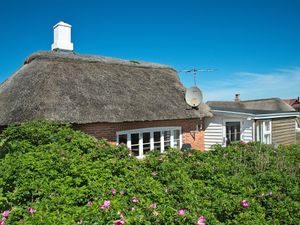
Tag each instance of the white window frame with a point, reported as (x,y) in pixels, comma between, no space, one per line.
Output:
(224,129)
(264,131)
(151,131)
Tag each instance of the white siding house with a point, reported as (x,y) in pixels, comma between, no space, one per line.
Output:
(270,121)
(215,129)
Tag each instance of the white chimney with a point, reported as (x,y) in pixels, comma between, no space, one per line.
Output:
(62,37)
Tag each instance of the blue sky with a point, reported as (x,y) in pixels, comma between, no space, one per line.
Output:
(254,45)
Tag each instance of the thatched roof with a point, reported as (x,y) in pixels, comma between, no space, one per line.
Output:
(85,89)
(271,104)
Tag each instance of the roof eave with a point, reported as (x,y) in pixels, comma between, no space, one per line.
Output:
(258,116)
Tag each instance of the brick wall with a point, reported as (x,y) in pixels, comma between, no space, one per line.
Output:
(108,130)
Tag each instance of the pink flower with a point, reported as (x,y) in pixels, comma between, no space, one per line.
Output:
(5,214)
(105,205)
(2,221)
(245,204)
(201,220)
(270,193)
(122,193)
(113,191)
(153,206)
(154,173)
(135,200)
(31,211)
(119,222)
(89,204)
(242,143)
(181,212)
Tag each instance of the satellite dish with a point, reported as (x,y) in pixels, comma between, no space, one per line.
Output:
(193,96)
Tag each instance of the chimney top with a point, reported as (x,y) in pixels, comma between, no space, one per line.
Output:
(62,37)
(61,23)
(237,98)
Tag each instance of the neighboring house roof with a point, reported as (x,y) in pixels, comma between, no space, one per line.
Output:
(85,89)
(275,104)
(293,102)
(250,111)
(259,108)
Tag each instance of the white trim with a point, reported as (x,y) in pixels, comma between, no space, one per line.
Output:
(172,138)
(141,144)
(259,116)
(162,141)
(271,116)
(151,141)
(253,131)
(261,131)
(151,130)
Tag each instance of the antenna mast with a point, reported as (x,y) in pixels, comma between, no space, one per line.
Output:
(194,71)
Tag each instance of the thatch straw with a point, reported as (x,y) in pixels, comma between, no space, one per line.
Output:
(86,89)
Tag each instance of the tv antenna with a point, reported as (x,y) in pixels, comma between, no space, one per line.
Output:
(194,71)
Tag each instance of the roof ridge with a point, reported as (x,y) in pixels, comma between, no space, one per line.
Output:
(72,56)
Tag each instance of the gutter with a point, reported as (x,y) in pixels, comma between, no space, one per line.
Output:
(259,116)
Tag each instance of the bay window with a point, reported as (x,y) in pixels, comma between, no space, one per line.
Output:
(142,141)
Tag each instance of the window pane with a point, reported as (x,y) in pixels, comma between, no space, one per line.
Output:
(135,144)
(167,138)
(176,138)
(233,131)
(134,139)
(167,135)
(123,139)
(157,146)
(156,136)
(146,142)
(267,125)
(146,137)
(176,143)
(135,150)
(176,134)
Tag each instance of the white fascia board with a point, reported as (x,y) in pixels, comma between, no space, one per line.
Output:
(219,112)
(276,115)
(257,116)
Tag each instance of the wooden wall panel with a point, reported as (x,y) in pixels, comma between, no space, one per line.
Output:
(283,131)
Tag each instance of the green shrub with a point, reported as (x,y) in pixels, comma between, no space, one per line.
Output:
(66,176)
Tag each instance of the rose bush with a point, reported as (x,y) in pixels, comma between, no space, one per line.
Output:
(51,174)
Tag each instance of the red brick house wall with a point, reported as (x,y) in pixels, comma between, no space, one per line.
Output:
(108,130)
